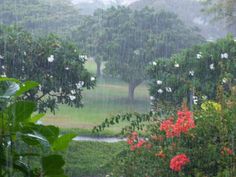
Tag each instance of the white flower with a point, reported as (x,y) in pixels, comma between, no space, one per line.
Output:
(67,68)
(204,97)
(92,78)
(51,76)
(168,89)
(224,80)
(177,65)
(224,56)
(25,53)
(75,50)
(152,98)
(83,57)
(80,84)
(73,92)
(4,75)
(51,58)
(40,87)
(3,67)
(154,63)
(72,97)
(160,91)
(191,73)
(199,56)
(212,67)
(195,100)
(159,82)
(1,57)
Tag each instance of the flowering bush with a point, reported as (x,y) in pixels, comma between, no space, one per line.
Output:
(178,162)
(196,74)
(182,125)
(183,145)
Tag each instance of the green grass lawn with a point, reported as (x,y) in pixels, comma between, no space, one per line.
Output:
(90,159)
(109,97)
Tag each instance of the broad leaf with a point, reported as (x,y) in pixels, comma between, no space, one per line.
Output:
(25,87)
(21,111)
(37,117)
(52,165)
(62,142)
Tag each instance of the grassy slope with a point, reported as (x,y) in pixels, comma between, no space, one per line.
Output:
(108,98)
(91,159)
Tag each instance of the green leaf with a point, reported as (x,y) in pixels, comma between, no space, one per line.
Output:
(62,142)
(34,140)
(50,132)
(25,87)
(52,165)
(36,118)
(2,79)
(21,110)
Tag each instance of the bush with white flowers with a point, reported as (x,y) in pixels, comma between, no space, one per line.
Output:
(195,74)
(54,63)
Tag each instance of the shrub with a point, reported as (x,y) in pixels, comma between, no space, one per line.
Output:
(26,147)
(195,74)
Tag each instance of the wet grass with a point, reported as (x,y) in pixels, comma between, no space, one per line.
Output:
(108,98)
(90,159)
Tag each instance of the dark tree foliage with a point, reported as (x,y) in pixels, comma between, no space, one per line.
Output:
(56,64)
(135,38)
(40,16)
(90,37)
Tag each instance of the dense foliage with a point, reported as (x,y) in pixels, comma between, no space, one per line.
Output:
(195,75)
(128,40)
(223,11)
(27,148)
(40,16)
(56,64)
(185,144)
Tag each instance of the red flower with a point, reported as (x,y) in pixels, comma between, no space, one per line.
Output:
(168,126)
(182,125)
(184,121)
(140,143)
(134,141)
(178,162)
(226,150)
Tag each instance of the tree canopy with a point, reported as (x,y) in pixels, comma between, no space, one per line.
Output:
(40,16)
(55,63)
(136,38)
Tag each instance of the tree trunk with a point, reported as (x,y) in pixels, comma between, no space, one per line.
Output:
(98,74)
(132,86)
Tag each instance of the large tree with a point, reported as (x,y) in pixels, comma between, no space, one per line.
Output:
(90,37)
(54,63)
(136,38)
(40,16)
